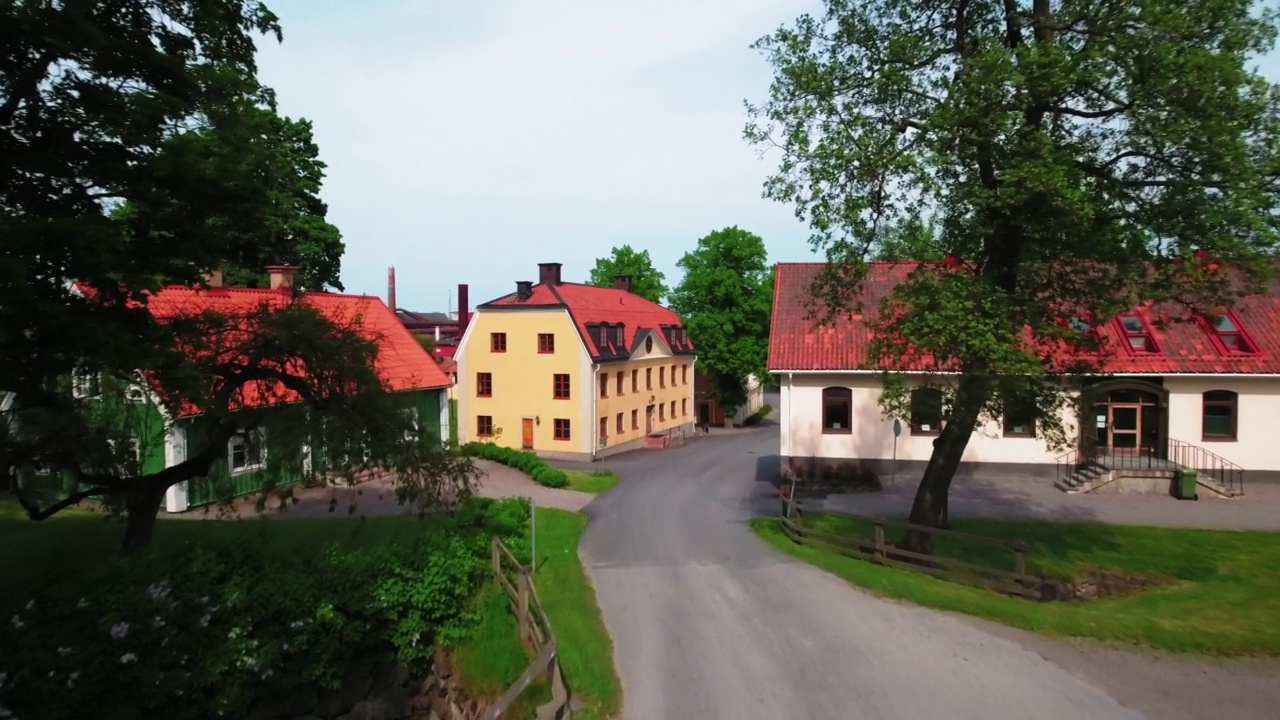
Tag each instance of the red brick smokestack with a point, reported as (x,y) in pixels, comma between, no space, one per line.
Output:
(464,308)
(391,288)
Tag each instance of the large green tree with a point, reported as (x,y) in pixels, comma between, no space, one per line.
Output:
(1080,156)
(133,156)
(910,238)
(725,300)
(646,280)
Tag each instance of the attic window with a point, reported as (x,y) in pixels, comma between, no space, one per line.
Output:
(1231,338)
(619,337)
(1137,335)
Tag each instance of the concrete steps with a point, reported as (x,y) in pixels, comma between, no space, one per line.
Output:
(1084,478)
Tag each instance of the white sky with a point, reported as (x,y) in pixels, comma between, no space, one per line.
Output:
(469,141)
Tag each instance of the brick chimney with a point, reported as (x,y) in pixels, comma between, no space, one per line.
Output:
(622,282)
(464,307)
(214,277)
(281,276)
(391,288)
(524,289)
(549,273)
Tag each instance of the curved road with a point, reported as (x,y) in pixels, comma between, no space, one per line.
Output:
(708,622)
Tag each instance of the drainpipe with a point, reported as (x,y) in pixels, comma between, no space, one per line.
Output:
(693,399)
(595,400)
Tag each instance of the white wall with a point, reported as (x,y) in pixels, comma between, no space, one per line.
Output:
(1257,443)
(872,436)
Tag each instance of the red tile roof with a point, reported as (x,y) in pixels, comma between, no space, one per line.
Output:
(590,304)
(798,341)
(401,361)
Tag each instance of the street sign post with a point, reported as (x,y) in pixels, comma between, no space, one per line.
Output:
(897,431)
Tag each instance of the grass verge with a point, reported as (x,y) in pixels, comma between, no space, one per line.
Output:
(586,652)
(1219,591)
(594,481)
(492,658)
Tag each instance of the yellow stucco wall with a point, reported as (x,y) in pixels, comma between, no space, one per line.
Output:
(657,365)
(523,381)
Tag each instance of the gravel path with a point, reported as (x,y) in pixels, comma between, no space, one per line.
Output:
(708,622)
(377,497)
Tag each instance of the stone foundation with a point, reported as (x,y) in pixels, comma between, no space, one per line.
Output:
(386,693)
(1097,584)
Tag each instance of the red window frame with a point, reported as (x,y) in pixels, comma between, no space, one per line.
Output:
(604,428)
(684,407)
(484,384)
(546,343)
(635,419)
(619,388)
(560,386)
(1245,345)
(635,381)
(684,374)
(619,423)
(562,429)
(497,342)
(604,384)
(1138,331)
(484,425)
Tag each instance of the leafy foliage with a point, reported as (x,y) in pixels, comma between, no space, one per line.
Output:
(1080,158)
(141,150)
(911,238)
(522,460)
(646,280)
(220,626)
(725,302)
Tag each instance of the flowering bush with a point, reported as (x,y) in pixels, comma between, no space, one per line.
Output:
(227,624)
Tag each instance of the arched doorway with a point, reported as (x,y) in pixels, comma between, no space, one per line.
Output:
(1127,418)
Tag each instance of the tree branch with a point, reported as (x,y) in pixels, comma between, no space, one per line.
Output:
(35,512)
(26,86)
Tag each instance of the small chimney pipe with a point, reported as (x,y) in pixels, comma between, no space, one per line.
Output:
(391,288)
(524,289)
(622,282)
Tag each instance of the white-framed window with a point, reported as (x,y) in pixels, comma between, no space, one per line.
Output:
(131,458)
(135,394)
(85,384)
(247,451)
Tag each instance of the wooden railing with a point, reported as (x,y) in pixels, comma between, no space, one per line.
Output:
(535,630)
(878,550)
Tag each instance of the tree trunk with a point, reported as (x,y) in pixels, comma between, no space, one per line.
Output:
(930,506)
(142,506)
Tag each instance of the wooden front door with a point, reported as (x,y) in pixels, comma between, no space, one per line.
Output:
(1125,427)
(526,433)
(648,420)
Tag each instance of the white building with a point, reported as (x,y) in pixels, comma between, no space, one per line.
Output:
(1200,396)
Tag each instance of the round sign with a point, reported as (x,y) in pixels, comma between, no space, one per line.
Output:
(897,427)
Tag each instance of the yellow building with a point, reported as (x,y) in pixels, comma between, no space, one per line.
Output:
(574,371)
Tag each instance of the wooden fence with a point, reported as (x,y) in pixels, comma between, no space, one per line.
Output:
(535,630)
(876,549)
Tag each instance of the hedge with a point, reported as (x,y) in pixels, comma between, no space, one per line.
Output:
(522,460)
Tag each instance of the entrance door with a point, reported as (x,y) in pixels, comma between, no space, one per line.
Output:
(1125,426)
(526,433)
(704,414)
(648,420)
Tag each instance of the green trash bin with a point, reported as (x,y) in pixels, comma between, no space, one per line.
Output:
(1184,484)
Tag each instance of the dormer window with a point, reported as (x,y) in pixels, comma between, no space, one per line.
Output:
(1137,335)
(1231,338)
(619,337)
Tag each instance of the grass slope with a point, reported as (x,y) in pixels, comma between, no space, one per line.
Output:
(595,481)
(1220,593)
(586,652)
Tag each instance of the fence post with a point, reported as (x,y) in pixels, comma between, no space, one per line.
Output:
(879,539)
(1020,559)
(522,604)
(497,561)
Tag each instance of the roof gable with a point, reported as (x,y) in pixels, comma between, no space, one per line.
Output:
(799,342)
(593,307)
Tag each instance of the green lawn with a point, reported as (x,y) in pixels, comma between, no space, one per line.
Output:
(595,481)
(492,659)
(1219,591)
(586,652)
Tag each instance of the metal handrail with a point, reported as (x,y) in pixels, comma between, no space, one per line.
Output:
(1206,462)
(1176,453)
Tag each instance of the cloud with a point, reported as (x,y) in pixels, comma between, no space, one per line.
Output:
(476,139)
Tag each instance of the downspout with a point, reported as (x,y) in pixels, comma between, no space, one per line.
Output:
(595,399)
(693,397)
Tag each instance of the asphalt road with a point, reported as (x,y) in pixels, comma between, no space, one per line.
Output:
(708,622)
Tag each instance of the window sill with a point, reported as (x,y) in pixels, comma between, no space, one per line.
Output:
(831,431)
(478,395)
(557,397)
(926,433)
(246,469)
(1219,438)
(564,439)
(1024,436)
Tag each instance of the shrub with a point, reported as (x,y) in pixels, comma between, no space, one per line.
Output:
(522,460)
(208,631)
(755,417)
